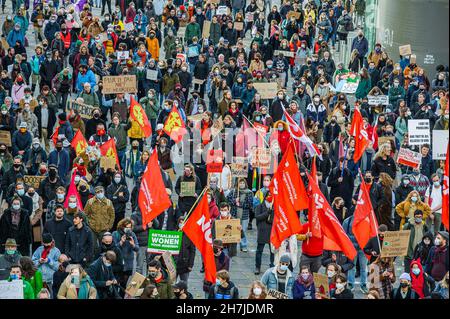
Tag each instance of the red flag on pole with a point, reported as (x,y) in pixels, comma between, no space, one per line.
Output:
(79,143)
(365,225)
(137,113)
(174,125)
(108,149)
(198,229)
(334,236)
(55,135)
(445,197)
(73,191)
(153,198)
(359,133)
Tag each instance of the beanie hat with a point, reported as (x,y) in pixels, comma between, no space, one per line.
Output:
(285,259)
(405,276)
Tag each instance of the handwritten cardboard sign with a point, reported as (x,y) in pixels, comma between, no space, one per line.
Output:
(123,55)
(33,181)
(206,29)
(395,243)
(409,158)
(239,170)
(405,49)
(119,84)
(222,10)
(275,294)
(134,284)
(152,75)
(170,264)
(187,189)
(321,283)
(267,91)
(84,110)
(5,138)
(239,26)
(261,157)
(294,14)
(11,290)
(378,99)
(227,230)
(128,26)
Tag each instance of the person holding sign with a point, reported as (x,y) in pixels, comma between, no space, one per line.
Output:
(16,274)
(186,202)
(280,278)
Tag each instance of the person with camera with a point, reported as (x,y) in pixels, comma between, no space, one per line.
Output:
(103,277)
(126,241)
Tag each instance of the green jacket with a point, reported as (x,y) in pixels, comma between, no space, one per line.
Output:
(90,99)
(120,134)
(395,94)
(169,46)
(152,110)
(192,30)
(363,89)
(35,283)
(169,82)
(164,287)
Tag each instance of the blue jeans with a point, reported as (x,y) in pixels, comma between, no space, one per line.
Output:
(244,243)
(362,269)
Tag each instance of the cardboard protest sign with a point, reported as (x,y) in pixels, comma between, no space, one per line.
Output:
(267,91)
(160,241)
(321,283)
(152,75)
(288,54)
(214,161)
(84,110)
(295,14)
(250,16)
(227,230)
(405,49)
(107,163)
(33,181)
(217,126)
(123,55)
(395,243)
(5,138)
(206,29)
(378,99)
(239,26)
(170,265)
(419,132)
(187,189)
(275,294)
(239,170)
(195,118)
(11,289)
(440,141)
(261,157)
(5,44)
(119,84)
(134,284)
(409,158)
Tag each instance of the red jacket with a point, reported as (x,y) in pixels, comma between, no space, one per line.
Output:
(312,247)
(66,39)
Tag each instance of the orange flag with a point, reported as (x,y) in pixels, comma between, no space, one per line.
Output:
(359,133)
(198,229)
(334,236)
(79,143)
(174,125)
(108,149)
(73,191)
(289,175)
(445,196)
(55,135)
(365,225)
(153,198)
(137,113)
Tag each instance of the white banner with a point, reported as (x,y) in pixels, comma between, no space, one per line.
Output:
(419,132)
(440,142)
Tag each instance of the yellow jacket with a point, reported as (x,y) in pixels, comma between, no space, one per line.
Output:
(153,48)
(403,209)
(135,130)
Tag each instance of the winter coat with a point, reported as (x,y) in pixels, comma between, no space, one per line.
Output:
(342,260)
(404,209)
(219,292)
(59,230)
(88,77)
(100,274)
(79,245)
(361,45)
(6,261)
(264,219)
(270,280)
(119,202)
(49,268)
(20,142)
(185,259)
(300,291)
(246,203)
(345,294)
(138,229)
(21,233)
(62,160)
(164,287)
(343,189)
(69,291)
(379,165)
(127,249)
(436,264)
(100,214)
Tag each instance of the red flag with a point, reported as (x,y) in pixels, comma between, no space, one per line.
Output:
(365,225)
(137,114)
(198,229)
(55,135)
(285,222)
(73,191)
(174,125)
(359,133)
(314,168)
(288,174)
(445,196)
(153,198)
(334,236)
(245,139)
(108,149)
(79,143)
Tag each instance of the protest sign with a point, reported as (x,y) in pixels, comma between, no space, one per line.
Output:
(261,157)
(440,142)
(187,189)
(222,10)
(217,126)
(195,118)
(378,99)
(5,138)
(152,75)
(239,26)
(170,265)
(266,90)
(84,110)
(409,158)
(321,283)
(128,26)
(288,54)
(214,161)
(123,55)
(119,84)
(11,289)
(182,57)
(395,243)
(134,284)
(405,49)
(250,16)
(227,230)
(33,181)
(160,241)
(206,29)
(275,294)
(198,81)
(239,170)
(419,132)
(107,163)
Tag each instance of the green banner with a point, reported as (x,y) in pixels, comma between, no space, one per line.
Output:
(160,241)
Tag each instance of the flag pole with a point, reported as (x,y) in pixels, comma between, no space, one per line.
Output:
(192,208)
(264,140)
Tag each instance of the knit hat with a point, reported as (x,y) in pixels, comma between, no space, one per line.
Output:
(443,234)
(23,125)
(286,259)
(382,228)
(405,276)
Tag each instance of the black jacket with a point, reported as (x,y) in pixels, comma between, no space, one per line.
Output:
(21,233)
(343,189)
(345,294)
(51,120)
(342,260)
(10,178)
(139,231)
(117,267)
(384,166)
(396,294)
(59,230)
(119,202)
(79,244)
(373,245)
(185,258)
(47,190)
(100,274)
(264,220)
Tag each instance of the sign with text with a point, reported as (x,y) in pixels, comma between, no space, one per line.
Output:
(239,170)
(214,161)
(288,54)
(206,29)
(33,181)
(107,163)
(160,241)
(134,284)
(11,289)
(128,26)
(222,10)
(123,55)
(152,75)
(419,132)
(321,283)
(267,91)
(405,49)
(239,26)
(228,230)
(84,110)
(294,14)
(409,158)
(395,243)
(378,99)
(261,157)
(119,84)
(440,142)
(275,294)
(187,189)
(170,265)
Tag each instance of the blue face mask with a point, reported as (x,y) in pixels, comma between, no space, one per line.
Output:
(20,192)
(100,195)
(14,277)
(416,271)
(283,267)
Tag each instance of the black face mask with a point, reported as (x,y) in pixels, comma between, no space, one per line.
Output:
(52,173)
(404,285)
(58,148)
(368,179)
(83,188)
(17,165)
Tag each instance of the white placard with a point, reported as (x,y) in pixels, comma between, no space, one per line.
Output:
(152,75)
(11,290)
(378,99)
(123,55)
(222,10)
(128,26)
(440,142)
(419,132)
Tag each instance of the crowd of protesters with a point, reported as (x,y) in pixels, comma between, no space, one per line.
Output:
(89,246)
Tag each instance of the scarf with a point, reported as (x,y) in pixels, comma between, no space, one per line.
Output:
(85,286)
(143,56)
(46,251)
(233,113)
(81,169)
(308,282)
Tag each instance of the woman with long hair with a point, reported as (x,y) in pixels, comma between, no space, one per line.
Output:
(304,287)
(258,290)
(77,285)
(382,276)
(383,161)
(31,274)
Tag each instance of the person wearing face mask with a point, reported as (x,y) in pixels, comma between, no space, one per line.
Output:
(101,273)
(15,223)
(34,156)
(421,282)
(61,158)
(396,92)
(100,212)
(10,257)
(46,258)
(412,203)
(159,277)
(77,285)
(280,278)
(15,273)
(360,44)
(91,124)
(185,203)
(185,259)
(180,290)
(11,175)
(224,288)
(118,131)
(418,228)
(276,108)
(21,140)
(58,201)
(373,246)
(150,103)
(404,291)
(264,215)
(119,195)
(19,191)
(169,80)
(304,287)
(16,34)
(433,197)
(436,264)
